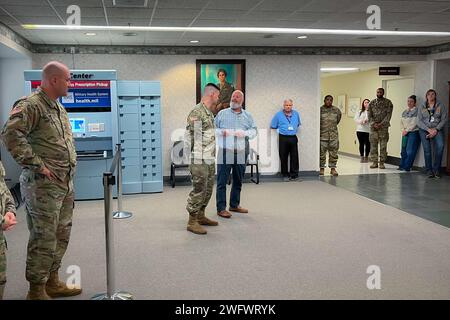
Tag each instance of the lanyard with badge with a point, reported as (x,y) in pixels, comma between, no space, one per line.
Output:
(290,127)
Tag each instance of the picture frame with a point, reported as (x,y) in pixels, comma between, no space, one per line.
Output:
(232,77)
(354,104)
(341,103)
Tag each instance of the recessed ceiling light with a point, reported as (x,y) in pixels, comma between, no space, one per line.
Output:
(302,37)
(194,41)
(130,34)
(338,69)
(90,34)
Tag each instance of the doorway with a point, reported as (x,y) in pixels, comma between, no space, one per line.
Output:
(353,87)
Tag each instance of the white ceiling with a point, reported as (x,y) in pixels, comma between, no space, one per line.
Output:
(343,14)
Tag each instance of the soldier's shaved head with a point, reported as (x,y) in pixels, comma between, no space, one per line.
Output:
(53,68)
(55,79)
(210,88)
(210,96)
(380,93)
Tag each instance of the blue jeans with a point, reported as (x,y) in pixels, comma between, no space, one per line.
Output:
(409,150)
(223,172)
(438,145)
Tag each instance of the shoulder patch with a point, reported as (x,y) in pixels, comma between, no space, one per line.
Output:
(17,107)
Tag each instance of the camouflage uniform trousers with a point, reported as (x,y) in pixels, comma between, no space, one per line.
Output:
(332,146)
(380,136)
(203,176)
(49,206)
(2,263)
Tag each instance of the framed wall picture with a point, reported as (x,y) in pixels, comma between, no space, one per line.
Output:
(228,75)
(354,104)
(342,99)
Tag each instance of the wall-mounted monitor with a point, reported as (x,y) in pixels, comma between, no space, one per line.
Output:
(85,95)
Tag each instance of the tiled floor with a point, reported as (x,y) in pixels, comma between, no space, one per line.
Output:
(351,166)
(412,192)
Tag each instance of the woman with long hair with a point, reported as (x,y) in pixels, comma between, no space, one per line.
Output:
(362,131)
(431,118)
(410,135)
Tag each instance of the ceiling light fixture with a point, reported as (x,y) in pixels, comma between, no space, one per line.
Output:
(194,41)
(90,34)
(241,30)
(130,34)
(338,69)
(302,37)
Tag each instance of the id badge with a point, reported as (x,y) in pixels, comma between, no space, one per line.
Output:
(290,128)
(432,119)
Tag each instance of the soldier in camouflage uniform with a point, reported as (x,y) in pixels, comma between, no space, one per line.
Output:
(7,222)
(39,137)
(226,90)
(330,116)
(379,114)
(201,145)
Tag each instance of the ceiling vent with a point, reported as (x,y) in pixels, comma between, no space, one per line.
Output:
(130,3)
(367,38)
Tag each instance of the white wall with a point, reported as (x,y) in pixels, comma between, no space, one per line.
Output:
(11,88)
(269,80)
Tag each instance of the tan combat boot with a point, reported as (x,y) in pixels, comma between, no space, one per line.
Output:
(334,172)
(194,226)
(37,292)
(56,288)
(381,166)
(321,172)
(374,165)
(204,221)
(2,288)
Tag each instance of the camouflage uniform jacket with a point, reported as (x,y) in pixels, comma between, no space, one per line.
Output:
(380,111)
(7,203)
(38,134)
(329,119)
(200,136)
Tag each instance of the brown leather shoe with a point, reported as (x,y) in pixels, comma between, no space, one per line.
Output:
(224,214)
(333,172)
(239,209)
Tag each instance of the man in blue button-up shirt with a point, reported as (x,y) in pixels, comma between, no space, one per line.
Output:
(234,127)
(287,122)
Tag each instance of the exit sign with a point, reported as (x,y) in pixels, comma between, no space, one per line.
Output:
(389,71)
